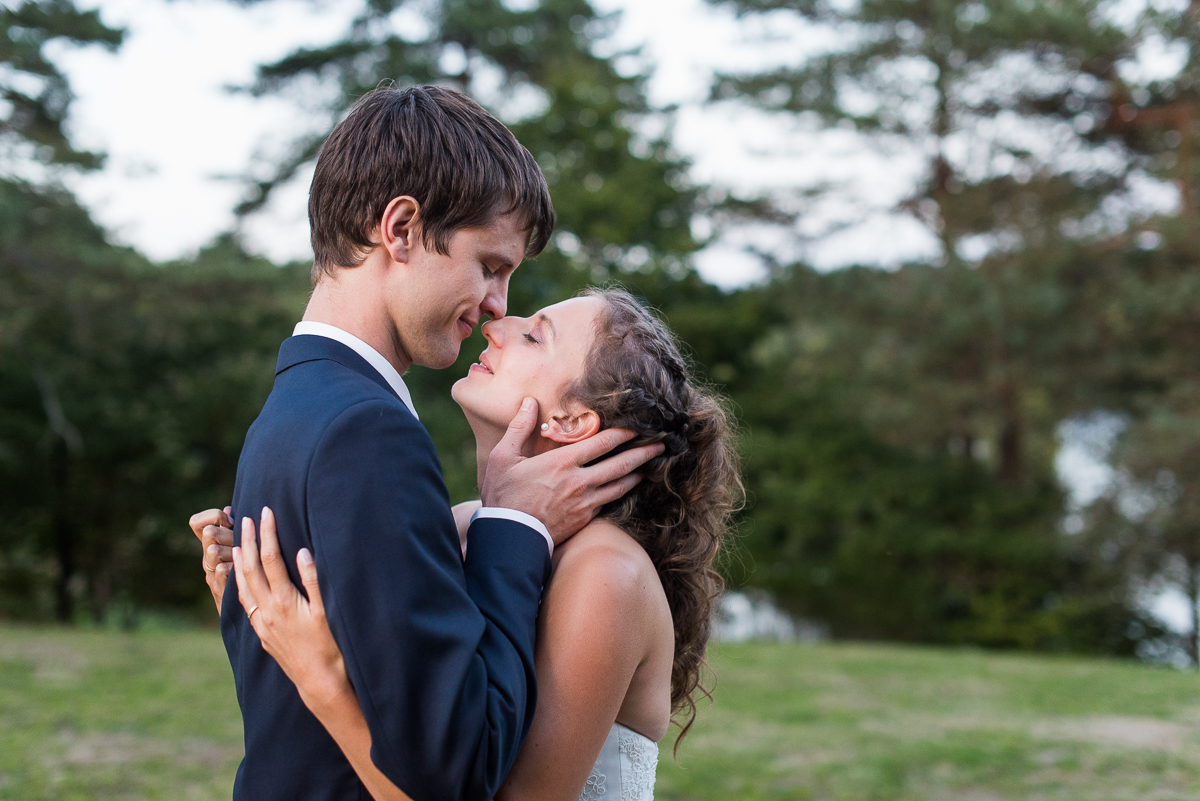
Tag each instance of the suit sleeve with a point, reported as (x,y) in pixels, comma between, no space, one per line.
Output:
(440,654)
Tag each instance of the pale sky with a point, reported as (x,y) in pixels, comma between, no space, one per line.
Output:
(175,137)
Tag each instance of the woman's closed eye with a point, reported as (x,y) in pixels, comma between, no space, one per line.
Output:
(531,338)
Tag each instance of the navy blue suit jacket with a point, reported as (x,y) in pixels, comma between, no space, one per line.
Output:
(440,653)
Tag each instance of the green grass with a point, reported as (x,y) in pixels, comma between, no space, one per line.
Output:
(867,722)
(101,715)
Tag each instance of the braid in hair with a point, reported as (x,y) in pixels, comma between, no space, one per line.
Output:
(635,378)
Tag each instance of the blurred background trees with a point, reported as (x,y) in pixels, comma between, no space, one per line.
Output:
(900,427)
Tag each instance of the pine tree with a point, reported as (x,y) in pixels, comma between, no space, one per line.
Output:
(622,201)
(36,94)
(1011,106)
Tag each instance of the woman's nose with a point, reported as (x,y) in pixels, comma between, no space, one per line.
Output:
(493,332)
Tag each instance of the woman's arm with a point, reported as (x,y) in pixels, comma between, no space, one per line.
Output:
(462,520)
(295,632)
(592,636)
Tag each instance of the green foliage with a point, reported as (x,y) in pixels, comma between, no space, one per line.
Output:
(35,93)
(1008,103)
(862,525)
(126,389)
(898,428)
(624,201)
(1033,127)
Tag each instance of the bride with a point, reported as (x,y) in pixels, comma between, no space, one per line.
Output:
(626,616)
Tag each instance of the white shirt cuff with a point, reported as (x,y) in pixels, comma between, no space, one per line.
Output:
(516,517)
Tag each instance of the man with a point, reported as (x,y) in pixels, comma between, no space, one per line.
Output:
(422,206)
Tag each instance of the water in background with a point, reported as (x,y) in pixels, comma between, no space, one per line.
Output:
(750,615)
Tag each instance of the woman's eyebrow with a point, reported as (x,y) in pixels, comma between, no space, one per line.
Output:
(549,323)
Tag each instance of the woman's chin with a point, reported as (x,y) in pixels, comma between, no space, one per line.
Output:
(471,401)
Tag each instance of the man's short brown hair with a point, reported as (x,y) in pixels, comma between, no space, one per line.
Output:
(431,143)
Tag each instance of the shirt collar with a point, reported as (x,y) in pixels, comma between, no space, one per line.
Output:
(373,357)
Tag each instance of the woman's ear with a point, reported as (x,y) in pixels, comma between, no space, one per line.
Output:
(567,428)
(399,227)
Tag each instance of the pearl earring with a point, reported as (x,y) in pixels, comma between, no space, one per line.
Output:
(545,426)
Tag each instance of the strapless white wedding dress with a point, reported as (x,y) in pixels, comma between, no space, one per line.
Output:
(624,770)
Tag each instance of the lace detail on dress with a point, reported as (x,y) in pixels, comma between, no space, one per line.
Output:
(594,789)
(625,768)
(643,762)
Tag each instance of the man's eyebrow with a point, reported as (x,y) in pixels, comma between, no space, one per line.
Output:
(549,323)
(498,258)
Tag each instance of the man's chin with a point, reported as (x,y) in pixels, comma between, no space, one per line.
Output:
(441,359)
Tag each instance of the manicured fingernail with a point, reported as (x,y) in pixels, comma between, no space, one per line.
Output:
(527,405)
(305,557)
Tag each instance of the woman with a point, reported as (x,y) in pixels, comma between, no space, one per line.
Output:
(625,619)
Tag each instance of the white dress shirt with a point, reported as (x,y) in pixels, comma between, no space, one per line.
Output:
(392,376)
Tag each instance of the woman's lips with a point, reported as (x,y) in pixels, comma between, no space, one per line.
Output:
(482,364)
(479,368)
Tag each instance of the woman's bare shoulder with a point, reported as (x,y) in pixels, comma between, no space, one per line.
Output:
(603,556)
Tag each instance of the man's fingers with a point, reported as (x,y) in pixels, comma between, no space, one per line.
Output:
(218,535)
(273,567)
(520,429)
(613,490)
(622,464)
(198,521)
(308,577)
(216,555)
(217,581)
(592,448)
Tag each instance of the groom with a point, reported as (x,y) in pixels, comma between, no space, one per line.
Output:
(421,207)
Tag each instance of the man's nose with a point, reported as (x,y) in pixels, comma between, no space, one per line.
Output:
(495,303)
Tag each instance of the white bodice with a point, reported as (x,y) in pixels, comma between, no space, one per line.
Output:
(624,770)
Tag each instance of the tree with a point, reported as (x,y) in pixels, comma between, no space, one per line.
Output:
(1011,108)
(622,201)
(35,93)
(1147,525)
(125,389)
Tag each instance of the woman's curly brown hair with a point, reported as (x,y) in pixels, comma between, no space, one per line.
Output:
(636,378)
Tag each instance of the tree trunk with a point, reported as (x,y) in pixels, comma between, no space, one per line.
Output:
(1010,451)
(64,534)
(1009,464)
(941,174)
(68,446)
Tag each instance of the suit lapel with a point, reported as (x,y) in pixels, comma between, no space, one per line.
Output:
(307,348)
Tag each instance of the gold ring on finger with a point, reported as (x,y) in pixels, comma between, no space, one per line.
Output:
(250,614)
(206,567)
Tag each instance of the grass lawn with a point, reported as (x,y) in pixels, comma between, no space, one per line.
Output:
(100,715)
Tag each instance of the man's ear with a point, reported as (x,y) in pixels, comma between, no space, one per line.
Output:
(400,227)
(567,428)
